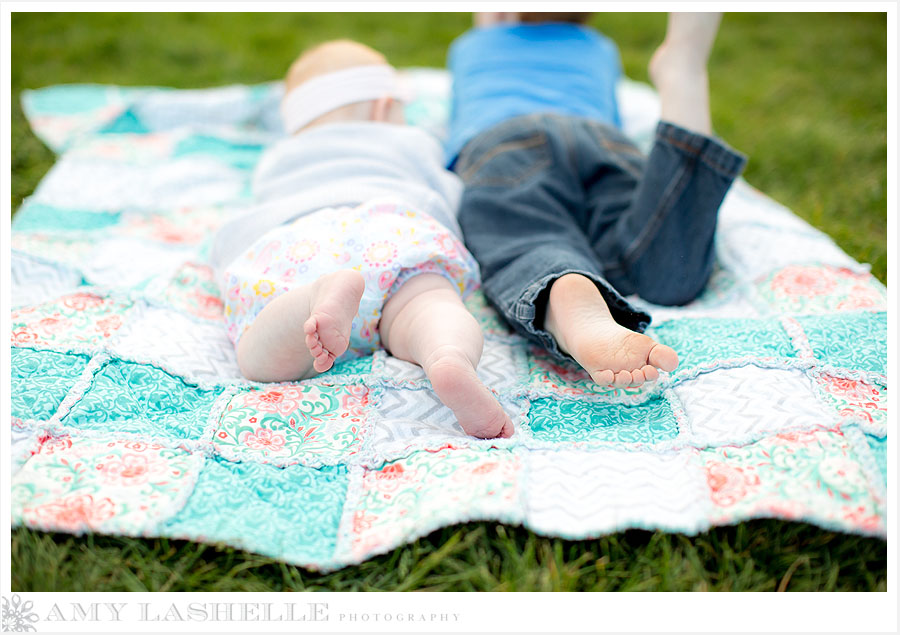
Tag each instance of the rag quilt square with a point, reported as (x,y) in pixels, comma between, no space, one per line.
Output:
(130,416)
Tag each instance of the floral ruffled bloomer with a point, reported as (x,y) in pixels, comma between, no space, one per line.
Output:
(385,240)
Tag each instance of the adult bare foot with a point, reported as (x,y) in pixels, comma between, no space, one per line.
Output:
(457,385)
(678,70)
(580,321)
(333,304)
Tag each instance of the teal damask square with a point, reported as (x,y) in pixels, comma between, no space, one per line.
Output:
(857,341)
(40,380)
(242,156)
(349,370)
(703,341)
(565,421)
(142,399)
(40,217)
(288,513)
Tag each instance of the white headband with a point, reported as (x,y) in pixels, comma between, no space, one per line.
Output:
(322,94)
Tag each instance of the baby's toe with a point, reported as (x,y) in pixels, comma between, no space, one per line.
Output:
(314,345)
(323,362)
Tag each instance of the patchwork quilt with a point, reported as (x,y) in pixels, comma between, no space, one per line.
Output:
(129,414)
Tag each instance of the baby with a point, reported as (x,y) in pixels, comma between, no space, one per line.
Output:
(354,242)
(562,211)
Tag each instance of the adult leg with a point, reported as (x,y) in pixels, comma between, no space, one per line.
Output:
(678,70)
(426,323)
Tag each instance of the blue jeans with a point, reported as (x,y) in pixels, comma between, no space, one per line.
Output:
(548,195)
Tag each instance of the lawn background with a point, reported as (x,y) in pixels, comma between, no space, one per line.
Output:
(804,95)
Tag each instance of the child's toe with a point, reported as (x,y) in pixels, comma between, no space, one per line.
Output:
(623,379)
(603,377)
(637,377)
(650,373)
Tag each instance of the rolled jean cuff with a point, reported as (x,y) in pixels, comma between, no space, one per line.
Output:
(520,310)
(712,151)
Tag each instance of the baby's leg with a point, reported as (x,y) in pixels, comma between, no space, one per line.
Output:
(302,331)
(579,318)
(678,70)
(425,322)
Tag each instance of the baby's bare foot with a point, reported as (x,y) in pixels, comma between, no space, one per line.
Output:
(579,319)
(459,388)
(333,304)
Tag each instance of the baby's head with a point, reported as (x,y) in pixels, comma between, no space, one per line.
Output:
(340,80)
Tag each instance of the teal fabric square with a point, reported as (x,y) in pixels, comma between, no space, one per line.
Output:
(126,123)
(350,370)
(242,156)
(703,341)
(143,399)
(567,421)
(37,217)
(40,380)
(290,513)
(857,341)
(878,445)
(64,99)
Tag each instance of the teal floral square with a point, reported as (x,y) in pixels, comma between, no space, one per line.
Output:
(142,399)
(565,421)
(40,381)
(857,341)
(566,378)
(704,341)
(289,513)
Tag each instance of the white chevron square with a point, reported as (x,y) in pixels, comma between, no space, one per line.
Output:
(33,281)
(189,348)
(417,419)
(580,494)
(739,405)
(402,372)
(498,367)
(129,262)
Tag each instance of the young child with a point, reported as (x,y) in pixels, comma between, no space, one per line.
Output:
(354,241)
(561,210)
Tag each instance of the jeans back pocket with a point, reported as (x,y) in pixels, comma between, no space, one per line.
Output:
(505,156)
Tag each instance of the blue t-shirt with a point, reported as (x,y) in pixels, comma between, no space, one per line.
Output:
(508,70)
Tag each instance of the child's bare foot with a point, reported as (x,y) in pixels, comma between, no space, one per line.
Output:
(579,319)
(333,304)
(459,388)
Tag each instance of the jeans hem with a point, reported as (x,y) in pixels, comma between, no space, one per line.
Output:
(713,151)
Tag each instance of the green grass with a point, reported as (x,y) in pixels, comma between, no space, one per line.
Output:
(804,95)
(763,555)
